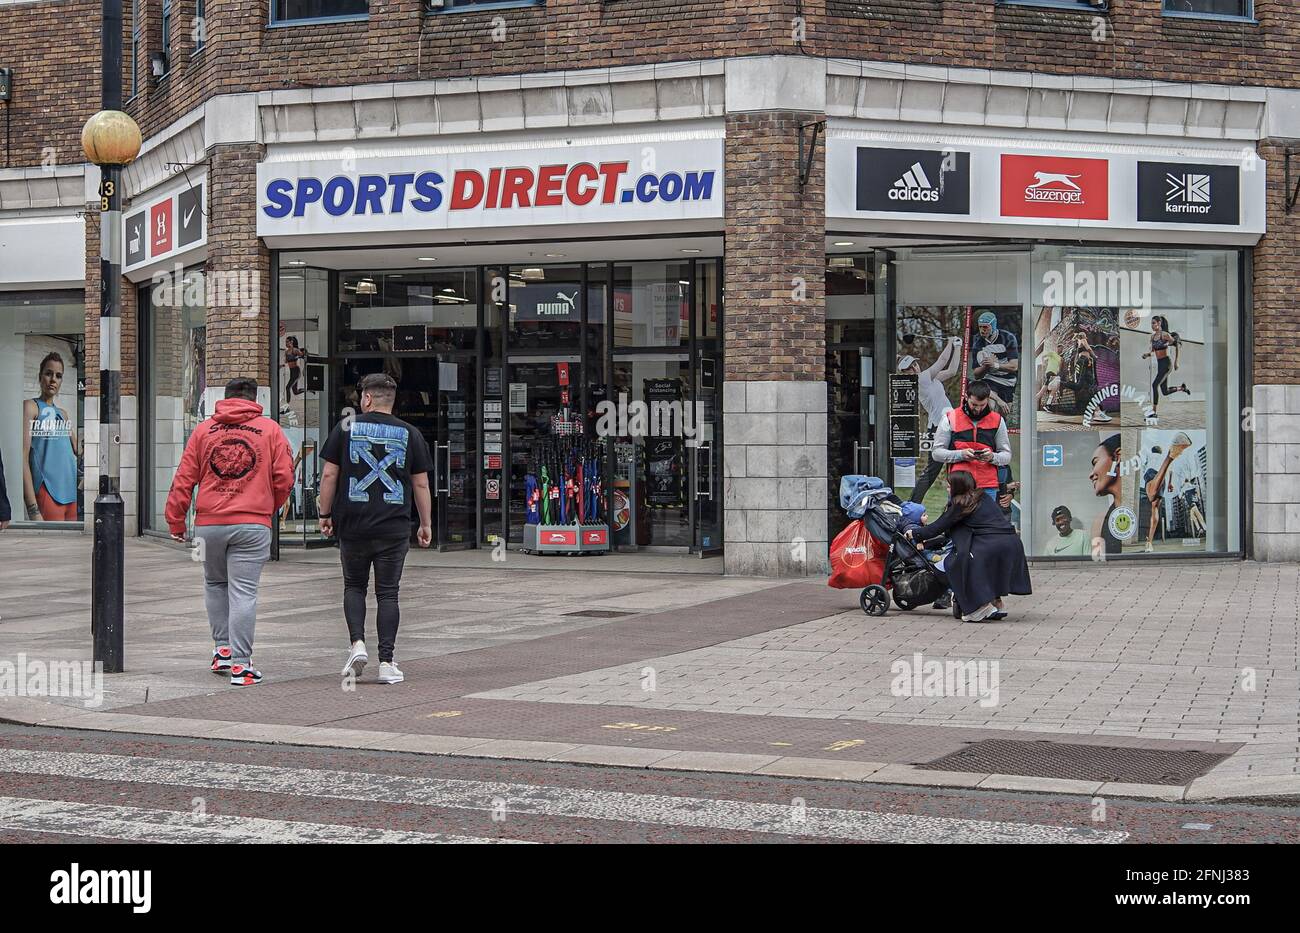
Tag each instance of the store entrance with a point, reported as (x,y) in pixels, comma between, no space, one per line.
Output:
(436,396)
(854,284)
(596,385)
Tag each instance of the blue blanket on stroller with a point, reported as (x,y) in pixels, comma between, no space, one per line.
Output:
(857,493)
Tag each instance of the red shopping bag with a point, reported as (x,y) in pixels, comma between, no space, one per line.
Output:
(857,560)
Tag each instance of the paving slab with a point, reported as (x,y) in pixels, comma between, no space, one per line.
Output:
(790,674)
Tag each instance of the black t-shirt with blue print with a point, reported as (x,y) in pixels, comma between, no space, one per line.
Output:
(377,454)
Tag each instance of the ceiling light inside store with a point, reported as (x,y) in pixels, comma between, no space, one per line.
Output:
(840,262)
(365,287)
(296,262)
(532,274)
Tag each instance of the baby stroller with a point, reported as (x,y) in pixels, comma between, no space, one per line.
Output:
(909,573)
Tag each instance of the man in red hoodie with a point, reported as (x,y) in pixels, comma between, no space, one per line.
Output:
(240,462)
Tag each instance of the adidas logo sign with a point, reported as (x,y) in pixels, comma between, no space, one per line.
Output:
(914,186)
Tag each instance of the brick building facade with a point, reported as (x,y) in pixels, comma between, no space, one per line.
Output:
(787,87)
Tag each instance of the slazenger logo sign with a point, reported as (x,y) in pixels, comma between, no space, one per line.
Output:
(671,179)
(1053,186)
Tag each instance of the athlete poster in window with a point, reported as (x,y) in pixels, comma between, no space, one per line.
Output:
(1076,368)
(945,347)
(51,448)
(1170,485)
(995,357)
(1083,504)
(664,455)
(1165,368)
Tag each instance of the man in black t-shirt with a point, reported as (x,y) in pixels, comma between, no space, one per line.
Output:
(374,467)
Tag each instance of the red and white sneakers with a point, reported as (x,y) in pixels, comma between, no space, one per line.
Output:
(243,676)
(221,659)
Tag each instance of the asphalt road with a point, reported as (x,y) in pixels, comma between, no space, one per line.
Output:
(70,786)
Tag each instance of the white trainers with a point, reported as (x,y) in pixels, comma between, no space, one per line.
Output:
(357,659)
(389,674)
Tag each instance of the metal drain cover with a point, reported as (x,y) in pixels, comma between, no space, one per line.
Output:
(600,613)
(1081,762)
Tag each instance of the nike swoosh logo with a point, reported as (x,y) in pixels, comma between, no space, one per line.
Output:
(188,215)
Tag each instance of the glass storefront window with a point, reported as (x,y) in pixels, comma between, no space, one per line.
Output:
(1135,376)
(302,386)
(545,312)
(849,287)
(652,304)
(1118,372)
(494,364)
(421,311)
(176,380)
(42,364)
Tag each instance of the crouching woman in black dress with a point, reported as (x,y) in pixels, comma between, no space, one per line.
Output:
(987,560)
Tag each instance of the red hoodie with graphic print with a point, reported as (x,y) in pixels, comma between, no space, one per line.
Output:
(242,466)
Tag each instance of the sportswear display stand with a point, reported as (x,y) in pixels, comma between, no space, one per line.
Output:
(564,499)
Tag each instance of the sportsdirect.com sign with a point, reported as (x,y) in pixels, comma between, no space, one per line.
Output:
(583,183)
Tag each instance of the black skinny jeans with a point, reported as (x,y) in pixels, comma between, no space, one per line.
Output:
(388,556)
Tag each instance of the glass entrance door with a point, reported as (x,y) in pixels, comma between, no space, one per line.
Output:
(851,421)
(456,455)
(851,375)
(706,465)
(436,396)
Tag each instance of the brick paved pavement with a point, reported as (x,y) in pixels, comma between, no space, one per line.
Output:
(1165,652)
(1118,655)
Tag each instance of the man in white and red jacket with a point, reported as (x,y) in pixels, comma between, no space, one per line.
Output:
(241,464)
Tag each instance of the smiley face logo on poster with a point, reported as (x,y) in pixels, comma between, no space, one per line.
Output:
(233,458)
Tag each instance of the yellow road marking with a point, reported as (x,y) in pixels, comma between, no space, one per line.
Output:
(843,744)
(638,727)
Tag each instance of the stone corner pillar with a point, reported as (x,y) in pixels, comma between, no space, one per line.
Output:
(774,389)
(1276,501)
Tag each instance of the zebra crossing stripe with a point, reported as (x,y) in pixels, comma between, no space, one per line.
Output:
(139,824)
(787,817)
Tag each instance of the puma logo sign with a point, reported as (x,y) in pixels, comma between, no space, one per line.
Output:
(565,307)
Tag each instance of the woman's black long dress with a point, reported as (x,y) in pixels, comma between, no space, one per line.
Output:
(987,559)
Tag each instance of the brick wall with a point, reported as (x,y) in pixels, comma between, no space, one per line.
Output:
(775,229)
(400,43)
(1277,269)
(238,331)
(1133,40)
(53,49)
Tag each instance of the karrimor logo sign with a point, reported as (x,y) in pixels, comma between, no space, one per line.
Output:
(913,181)
(1188,193)
(585,182)
(1055,187)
